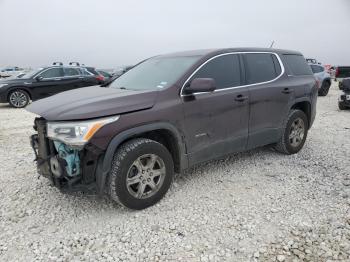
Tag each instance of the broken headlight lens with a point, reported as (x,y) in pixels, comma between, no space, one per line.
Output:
(76,133)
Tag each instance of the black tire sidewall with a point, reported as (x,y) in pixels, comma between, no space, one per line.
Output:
(342,106)
(23,92)
(121,189)
(324,89)
(296,114)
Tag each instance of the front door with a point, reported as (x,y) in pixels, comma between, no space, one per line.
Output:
(216,123)
(50,82)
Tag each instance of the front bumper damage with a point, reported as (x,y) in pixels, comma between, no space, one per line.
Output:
(69,169)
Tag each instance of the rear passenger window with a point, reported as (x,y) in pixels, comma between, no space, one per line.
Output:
(316,69)
(261,68)
(225,70)
(297,65)
(71,71)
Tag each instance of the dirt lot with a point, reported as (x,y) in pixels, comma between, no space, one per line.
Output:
(258,205)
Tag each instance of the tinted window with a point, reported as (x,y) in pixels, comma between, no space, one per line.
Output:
(92,70)
(343,71)
(316,69)
(261,68)
(297,65)
(71,71)
(225,70)
(53,72)
(277,64)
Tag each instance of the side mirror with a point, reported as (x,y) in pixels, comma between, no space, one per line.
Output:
(199,85)
(38,78)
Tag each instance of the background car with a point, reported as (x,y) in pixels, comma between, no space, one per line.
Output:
(323,77)
(342,72)
(10,71)
(105,74)
(344,99)
(45,82)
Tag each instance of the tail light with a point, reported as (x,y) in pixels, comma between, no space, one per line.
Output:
(100,78)
(337,72)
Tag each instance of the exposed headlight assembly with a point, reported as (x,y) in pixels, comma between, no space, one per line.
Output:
(2,85)
(76,134)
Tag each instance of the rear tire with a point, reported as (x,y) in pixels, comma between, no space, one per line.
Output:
(341,106)
(18,98)
(324,88)
(141,174)
(294,133)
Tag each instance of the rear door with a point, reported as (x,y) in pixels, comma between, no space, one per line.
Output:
(270,97)
(216,123)
(72,78)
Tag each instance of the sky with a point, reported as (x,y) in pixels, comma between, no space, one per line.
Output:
(110,33)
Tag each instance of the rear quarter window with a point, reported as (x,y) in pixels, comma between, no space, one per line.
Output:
(297,65)
(316,69)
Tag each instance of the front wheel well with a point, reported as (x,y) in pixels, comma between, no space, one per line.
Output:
(18,88)
(167,139)
(305,107)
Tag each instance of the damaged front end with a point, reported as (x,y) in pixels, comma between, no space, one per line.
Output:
(64,155)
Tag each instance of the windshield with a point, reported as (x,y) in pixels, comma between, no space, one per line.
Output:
(31,73)
(154,73)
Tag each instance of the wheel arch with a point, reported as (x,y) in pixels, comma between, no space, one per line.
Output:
(162,132)
(18,88)
(304,106)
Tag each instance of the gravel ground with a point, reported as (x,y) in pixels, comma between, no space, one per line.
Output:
(253,206)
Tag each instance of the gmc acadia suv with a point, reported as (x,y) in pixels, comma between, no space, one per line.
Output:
(169,113)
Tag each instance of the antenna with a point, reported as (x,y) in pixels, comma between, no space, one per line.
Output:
(273,42)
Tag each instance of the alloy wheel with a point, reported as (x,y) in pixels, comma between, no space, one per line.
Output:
(18,99)
(297,132)
(145,176)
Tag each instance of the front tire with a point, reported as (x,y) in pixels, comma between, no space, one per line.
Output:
(141,174)
(324,88)
(18,98)
(294,133)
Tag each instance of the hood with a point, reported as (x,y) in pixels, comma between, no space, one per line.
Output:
(92,102)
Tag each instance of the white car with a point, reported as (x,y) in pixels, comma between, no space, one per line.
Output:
(11,71)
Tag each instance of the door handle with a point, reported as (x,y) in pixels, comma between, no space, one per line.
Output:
(241,98)
(286,91)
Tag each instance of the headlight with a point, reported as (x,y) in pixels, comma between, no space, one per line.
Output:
(2,85)
(76,133)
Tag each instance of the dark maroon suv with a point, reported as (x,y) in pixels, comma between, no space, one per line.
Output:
(169,113)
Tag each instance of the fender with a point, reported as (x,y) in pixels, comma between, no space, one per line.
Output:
(106,164)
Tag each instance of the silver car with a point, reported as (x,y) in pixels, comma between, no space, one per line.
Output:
(322,77)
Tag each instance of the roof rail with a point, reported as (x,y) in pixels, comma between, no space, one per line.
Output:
(74,63)
(57,63)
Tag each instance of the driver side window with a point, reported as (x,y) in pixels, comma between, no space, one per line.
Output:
(225,70)
(52,73)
